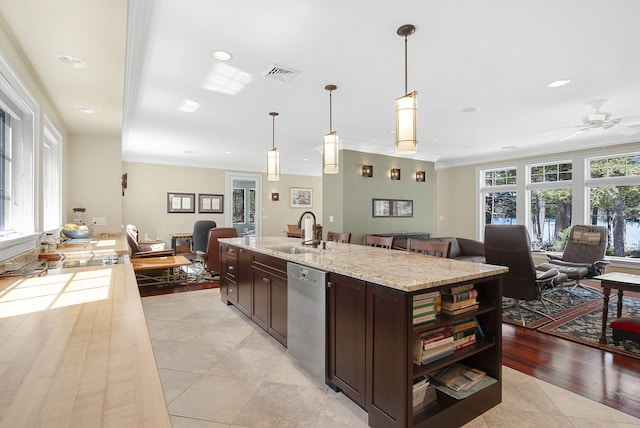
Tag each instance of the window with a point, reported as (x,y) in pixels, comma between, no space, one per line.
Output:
(551,195)
(499,196)
(550,191)
(51,169)
(20,113)
(614,201)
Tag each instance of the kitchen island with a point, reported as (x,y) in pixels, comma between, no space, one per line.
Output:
(370,333)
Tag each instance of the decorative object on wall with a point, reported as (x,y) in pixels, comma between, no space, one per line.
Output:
(395,173)
(330,141)
(421,176)
(301,198)
(181,202)
(392,208)
(275,196)
(123,182)
(406,106)
(210,203)
(367,171)
(273,157)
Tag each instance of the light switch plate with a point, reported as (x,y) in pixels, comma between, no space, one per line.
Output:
(99,221)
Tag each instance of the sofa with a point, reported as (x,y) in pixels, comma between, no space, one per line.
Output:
(464,249)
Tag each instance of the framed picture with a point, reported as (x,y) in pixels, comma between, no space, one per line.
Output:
(210,203)
(181,202)
(392,208)
(301,198)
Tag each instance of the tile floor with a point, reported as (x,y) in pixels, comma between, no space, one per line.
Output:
(219,369)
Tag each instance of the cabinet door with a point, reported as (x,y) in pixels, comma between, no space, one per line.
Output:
(387,356)
(230,272)
(260,306)
(346,347)
(245,281)
(278,308)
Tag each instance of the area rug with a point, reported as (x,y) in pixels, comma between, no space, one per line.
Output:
(569,304)
(584,325)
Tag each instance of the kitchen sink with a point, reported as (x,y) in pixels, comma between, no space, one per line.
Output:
(294,250)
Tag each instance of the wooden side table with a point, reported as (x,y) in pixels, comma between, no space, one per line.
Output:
(621,282)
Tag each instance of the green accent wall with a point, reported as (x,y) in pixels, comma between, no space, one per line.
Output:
(348,196)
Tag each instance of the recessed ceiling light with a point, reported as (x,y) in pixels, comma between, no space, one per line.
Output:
(470,109)
(188,106)
(468,147)
(86,110)
(508,148)
(72,61)
(227,153)
(435,140)
(306,159)
(558,83)
(221,55)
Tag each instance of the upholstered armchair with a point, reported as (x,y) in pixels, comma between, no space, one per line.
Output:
(212,256)
(137,250)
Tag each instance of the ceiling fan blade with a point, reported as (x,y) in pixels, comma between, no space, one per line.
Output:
(573,134)
(624,130)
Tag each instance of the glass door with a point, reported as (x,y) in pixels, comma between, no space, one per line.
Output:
(244,207)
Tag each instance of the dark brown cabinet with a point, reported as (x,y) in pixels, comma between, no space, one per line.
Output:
(257,285)
(347,336)
(370,342)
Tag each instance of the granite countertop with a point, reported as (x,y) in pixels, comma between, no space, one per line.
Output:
(392,268)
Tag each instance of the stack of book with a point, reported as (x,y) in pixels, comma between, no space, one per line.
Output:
(433,345)
(464,333)
(423,392)
(460,299)
(457,376)
(424,307)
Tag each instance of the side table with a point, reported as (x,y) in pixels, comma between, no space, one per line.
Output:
(621,282)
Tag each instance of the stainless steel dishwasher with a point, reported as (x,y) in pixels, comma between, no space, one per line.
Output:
(306,317)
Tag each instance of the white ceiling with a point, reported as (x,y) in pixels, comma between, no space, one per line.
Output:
(497,55)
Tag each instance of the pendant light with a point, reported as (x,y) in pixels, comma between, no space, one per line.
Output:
(330,141)
(406,106)
(273,156)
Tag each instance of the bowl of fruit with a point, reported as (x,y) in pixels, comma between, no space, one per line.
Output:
(75,231)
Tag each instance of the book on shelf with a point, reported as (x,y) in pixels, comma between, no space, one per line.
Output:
(458,289)
(465,341)
(435,334)
(423,318)
(464,393)
(429,307)
(463,295)
(439,350)
(457,376)
(423,392)
(443,341)
(459,304)
(431,357)
(459,311)
(420,298)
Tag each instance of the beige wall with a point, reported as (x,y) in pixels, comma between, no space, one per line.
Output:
(145,201)
(94,170)
(456,213)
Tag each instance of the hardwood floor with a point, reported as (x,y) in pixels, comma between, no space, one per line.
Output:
(610,379)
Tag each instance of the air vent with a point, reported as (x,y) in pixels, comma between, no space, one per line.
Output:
(281,73)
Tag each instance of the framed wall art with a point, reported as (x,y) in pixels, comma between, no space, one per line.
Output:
(210,203)
(392,208)
(181,202)
(301,198)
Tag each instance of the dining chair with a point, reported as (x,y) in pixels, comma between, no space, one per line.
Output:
(378,241)
(344,237)
(430,248)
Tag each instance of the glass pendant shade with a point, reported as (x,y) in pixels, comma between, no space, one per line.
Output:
(273,165)
(330,153)
(406,122)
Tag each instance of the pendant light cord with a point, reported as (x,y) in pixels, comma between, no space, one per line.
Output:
(406,91)
(273,132)
(330,112)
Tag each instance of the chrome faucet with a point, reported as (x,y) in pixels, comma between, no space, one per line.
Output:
(313,241)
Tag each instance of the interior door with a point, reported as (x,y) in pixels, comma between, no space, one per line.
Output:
(243,203)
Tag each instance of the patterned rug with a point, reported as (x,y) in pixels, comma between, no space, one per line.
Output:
(569,304)
(584,325)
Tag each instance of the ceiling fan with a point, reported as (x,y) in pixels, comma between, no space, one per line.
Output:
(604,120)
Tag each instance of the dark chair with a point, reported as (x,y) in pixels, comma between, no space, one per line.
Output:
(137,250)
(200,236)
(430,248)
(345,237)
(378,241)
(212,257)
(583,256)
(509,245)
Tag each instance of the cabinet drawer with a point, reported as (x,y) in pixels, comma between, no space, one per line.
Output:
(270,264)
